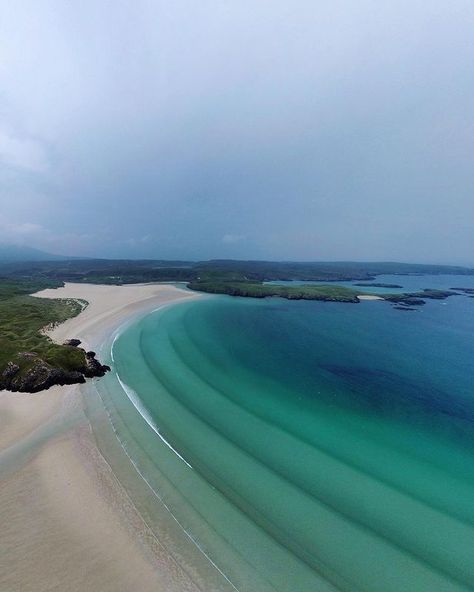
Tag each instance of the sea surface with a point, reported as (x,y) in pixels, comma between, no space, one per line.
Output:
(299,446)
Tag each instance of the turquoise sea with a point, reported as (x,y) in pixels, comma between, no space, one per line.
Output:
(301,446)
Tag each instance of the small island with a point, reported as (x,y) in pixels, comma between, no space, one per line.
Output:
(418,298)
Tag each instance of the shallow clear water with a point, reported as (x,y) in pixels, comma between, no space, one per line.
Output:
(307,446)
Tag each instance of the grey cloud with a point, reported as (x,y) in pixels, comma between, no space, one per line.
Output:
(329,130)
(22,153)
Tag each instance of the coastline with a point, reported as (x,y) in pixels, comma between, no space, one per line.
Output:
(67,521)
(109,307)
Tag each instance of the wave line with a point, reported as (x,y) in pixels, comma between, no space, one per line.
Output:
(136,402)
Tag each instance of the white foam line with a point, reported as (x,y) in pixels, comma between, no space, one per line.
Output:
(112,347)
(188,534)
(135,400)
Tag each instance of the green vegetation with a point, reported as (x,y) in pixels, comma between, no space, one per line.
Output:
(321,271)
(245,278)
(21,321)
(22,318)
(259,290)
(11,287)
(105,271)
(101,271)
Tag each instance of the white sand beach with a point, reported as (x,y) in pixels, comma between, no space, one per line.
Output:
(66,522)
(369,297)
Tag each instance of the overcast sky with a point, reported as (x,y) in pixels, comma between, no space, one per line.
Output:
(260,129)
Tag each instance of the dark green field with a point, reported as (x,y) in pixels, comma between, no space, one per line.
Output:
(108,271)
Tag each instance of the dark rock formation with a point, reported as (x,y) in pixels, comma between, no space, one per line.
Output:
(404,299)
(93,367)
(437,294)
(73,342)
(39,375)
(10,371)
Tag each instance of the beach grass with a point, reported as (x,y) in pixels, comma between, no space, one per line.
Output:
(23,319)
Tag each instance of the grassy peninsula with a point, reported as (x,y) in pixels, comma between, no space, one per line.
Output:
(326,293)
(29,360)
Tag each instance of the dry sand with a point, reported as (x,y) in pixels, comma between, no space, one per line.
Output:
(66,523)
(369,297)
(108,307)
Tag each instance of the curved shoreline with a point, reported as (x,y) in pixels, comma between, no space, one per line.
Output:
(109,307)
(70,523)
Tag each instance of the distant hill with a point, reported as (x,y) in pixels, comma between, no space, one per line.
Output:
(16,253)
(34,264)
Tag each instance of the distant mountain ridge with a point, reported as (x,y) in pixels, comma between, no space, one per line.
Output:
(14,253)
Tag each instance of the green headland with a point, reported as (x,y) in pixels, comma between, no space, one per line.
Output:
(29,360)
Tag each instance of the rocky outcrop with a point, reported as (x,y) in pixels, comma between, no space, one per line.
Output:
(405,299)
(33,374)
(9,372)
(39,376)
(93,367)
(72,342)
(418,298)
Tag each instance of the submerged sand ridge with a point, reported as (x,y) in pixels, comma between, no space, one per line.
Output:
(67,524)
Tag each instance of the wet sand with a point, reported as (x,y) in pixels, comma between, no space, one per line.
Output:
(66,522)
